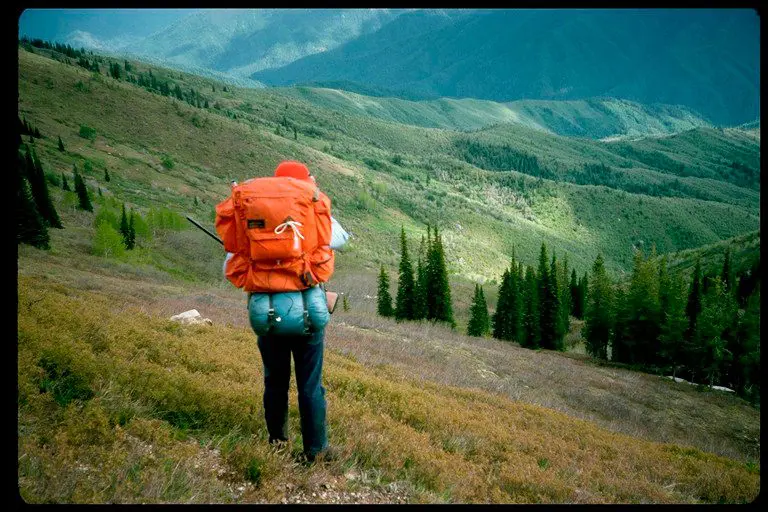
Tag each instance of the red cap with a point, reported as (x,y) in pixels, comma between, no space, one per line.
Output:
(293,169)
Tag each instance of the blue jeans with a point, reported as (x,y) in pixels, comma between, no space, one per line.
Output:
(308,361)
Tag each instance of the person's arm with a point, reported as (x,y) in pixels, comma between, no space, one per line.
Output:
(224,267)
(339,236)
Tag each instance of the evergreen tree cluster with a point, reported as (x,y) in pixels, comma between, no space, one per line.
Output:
(25,128)
(425,295)
(705,331)
(534,306)
(61,48)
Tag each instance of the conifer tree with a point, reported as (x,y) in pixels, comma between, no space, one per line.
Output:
(514,320)
(547,330)
(131,233)
(384,302)
(106,174)
(345,303)
(404,301)
(420,302)
(725,275)
(64,183)
(30,227)
(749,359)
(124,229)
(576,308)
(61,145)
(206,103)
(39,187)
(555,312)
(84,198)
(598,320)
(530,324)
(501,315)
(693,307)
(479,323)
(718,308)
(439,277)
(673,320)
(644,307)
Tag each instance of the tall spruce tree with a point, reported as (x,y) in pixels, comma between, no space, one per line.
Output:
(39,187)
(124,230)
(439,273)
(84,198)
(555,312)
(575,296)
(30,227)
(693,306)
(530,323)
(545,306)
(61,145)
(384,299)
(565,299)
(131,232)
(106,174)
(718,308)
(515,305)
(64,183)
(672,296)
(598,315)
(501,315)
(479,323)
(726,275)
(420,302)
(404,301)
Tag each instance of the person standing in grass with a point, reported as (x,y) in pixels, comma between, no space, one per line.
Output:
(307,350)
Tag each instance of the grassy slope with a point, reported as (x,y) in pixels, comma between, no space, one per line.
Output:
(164,413)
(481,216)
(583,118)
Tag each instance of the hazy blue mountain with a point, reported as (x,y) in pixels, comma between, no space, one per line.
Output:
(97,28)
(218,42)
(707,60)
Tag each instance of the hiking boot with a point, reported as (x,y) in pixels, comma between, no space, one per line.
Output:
(330,454)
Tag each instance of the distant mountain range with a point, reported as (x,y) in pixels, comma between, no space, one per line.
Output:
(703,59)
(707,60)
(594,118)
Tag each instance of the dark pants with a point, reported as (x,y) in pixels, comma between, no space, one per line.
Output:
(308,361)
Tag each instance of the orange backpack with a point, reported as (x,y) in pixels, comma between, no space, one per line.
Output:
(279,231)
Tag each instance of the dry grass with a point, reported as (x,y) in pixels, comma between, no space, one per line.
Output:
(157,385)
(620,400)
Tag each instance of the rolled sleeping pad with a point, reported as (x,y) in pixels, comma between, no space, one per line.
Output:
(289,317)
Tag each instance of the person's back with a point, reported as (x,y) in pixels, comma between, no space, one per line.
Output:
(307,348)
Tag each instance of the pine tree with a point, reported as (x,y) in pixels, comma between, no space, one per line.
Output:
(547,330)
(439,274)
(514,320)
(718,308)
(384,302)
(124,229)
(501,315)
(404,301)
(693,307)
(131,233)
(555,312)
(673,320)
(106,174)
(61,145)
(84,198)
(206,103)
(345,303)
(530,324)
(39,187)
(479,323)
(30,227)
(64,184)
(725,276)
(598,318)
(420,302)
(749,360)
(575,296)
(295,133)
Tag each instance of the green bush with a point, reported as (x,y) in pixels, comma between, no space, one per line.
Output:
(107,241)
(87,132)
(167,162)
(109,216)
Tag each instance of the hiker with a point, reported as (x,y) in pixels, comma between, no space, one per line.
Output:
(281,328)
